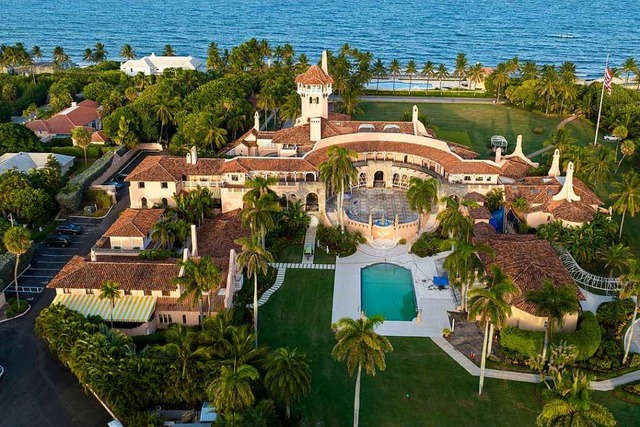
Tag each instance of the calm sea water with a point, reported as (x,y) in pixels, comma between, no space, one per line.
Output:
(489,31)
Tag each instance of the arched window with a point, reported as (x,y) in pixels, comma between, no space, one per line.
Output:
(396,179)
(378,179)
(164,201)
(362,179)
(312,202)
(143,203)
(310,177)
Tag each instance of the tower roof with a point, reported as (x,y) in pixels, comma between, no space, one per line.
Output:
(314,76)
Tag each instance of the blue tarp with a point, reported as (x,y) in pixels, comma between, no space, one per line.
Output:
(497,219)
(441,281)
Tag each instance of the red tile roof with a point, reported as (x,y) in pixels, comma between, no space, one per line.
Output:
(134,223)
(62,123)
(99,137)
(474,167)
(217,235)
(314,76)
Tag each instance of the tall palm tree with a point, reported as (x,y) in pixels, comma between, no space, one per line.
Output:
(82,138)
(394,69)
(200,204)
(598,166)
(36,52)
(548,84)
(379,71)
(460,70)
(291,107)
(490,305)
(87,55)
(428,71)
(17,240)
(361,346)
(110,290)
(259,186)
(629,66)
(500,78)
(60,57)
(411,70)
(200,276)
(163,232)
(214,134)
(255,259)
(615,257)
(529,71)
(572,406)
(258,216)
(168,50)
(288,376)
(553,302)
(465,266)
(127,52)
(476,74)
(442,73)
(631,287)
(99,53)
(627,148)
(453,222)
(237,122)
(421,194)
(165,109)
(338,173)
(626,196)
(232,391)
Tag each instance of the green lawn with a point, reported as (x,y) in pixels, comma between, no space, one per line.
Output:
(291,253)
(479,121)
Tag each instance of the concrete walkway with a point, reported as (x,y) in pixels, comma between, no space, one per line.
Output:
(551,147)
(282,271)
(303,266)
(309,241)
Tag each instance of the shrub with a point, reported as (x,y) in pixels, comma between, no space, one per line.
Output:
(99,197)
(93,151)
(446,332)
(155,254)
(141,341)
(429,244)
(338,242)
(537,131)
(586,338)
(61,142)
(70,197)
(402,241)
(15,308)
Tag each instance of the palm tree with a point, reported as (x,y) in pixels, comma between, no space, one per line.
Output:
(379,71)
(199,276)
(529,71)
(394,69)
(87,55)
(412,69)
(553,302)
(237,122)
(460,70)
(453,222)
(231,391)
(60,57)
(500,78)
(338,173)
(165,108)
(627,148)
(255,259)
(291,107)
(476,74)
(361,346)
(259,186)
(200,204)
(598,165)
(214,134)
(428,71)
(36,52)
(258,216)
(164,233)
(168,50)
(99,53)
(110,291)
(631,287)
(465,265)
(17,240)
(127,52)
(421,194)
(572,406)
(288,376)
(82,138)
(548,84)
(490,305)
(626,196)
(214,60)
(442,73)
(629,66)
(615,257)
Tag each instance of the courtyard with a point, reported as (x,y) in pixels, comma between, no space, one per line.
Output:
(381,205)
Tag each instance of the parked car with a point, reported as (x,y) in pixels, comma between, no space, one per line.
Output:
(69,229)
(611,138)
(57,241)
(118,184)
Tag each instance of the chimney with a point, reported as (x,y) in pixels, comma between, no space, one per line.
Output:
(498,155)
(518,151)
(566,192)
(194,240)
(74,104)
(325,62)
(555,164)
(256,121)
(194,155)
(315,129)
(414,119)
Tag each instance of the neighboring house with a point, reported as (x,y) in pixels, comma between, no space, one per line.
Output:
(26,162)
(129,234)
(528,261)
(156,65)
(86,113)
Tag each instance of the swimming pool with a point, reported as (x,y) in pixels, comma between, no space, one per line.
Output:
(387,289)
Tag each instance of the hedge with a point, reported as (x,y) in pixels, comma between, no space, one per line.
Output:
(93,151)
(70,197)
(586,339)
(7,263)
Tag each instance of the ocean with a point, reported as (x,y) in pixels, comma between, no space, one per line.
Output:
(488,31)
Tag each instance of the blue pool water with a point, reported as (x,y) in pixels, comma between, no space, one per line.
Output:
(387,289)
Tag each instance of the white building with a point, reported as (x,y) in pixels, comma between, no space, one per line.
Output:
(26,162)
(157,65)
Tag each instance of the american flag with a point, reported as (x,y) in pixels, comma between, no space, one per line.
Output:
(608,77)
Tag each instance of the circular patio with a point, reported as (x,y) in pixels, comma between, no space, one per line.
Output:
(382,205)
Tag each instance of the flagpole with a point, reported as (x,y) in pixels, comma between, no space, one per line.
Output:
(595,138)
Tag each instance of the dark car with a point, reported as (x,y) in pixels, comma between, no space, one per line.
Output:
(118,184)
(57,241)
(69,229)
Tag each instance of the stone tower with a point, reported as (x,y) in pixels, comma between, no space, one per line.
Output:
(314,87)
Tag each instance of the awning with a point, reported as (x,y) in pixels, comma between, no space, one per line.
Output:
(127,308)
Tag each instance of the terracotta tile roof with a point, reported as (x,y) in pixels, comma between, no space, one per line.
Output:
(172,304)
(474,196)
(217,235)
(474,167)
(289,164)
(515,167)
(462,150)
(99,136)
(339,116)
(140,275)
(38,126)
(89,103)
(134,222)
(528,261)
(480,212)
(314,76)
(571,211)
(62,123)
(156,168)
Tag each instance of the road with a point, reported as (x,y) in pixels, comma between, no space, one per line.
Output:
(36,389)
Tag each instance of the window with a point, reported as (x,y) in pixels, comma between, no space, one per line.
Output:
(184,319)
(127,291)
(234,177)
(164,185)
(166,293)
(89,291)
(467,178)
(479,178)
(66,290)
(141,185)
(147,292)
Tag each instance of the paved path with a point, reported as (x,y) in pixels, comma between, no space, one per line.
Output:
(551,147)
(425,99)
(309,241)
(303,266)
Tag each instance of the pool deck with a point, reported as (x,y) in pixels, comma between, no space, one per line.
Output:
(433,304)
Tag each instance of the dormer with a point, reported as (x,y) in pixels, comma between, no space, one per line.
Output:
(391,128)
(366,127)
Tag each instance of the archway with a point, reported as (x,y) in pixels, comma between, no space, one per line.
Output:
(310,177)
(362,179)
(396,179)
(283,201)
(164,202)
(143,203)
(312,202)
(378,179)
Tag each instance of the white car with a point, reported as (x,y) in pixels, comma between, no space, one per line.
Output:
(611,138)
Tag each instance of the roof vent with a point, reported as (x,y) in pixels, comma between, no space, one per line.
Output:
(392,128)
(366,127)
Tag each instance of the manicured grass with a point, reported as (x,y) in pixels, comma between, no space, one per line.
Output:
(292,253)
(459,136)
(480,121)
(322,257)
(421,386)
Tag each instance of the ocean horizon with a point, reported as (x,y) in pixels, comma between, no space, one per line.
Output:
(488,31)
